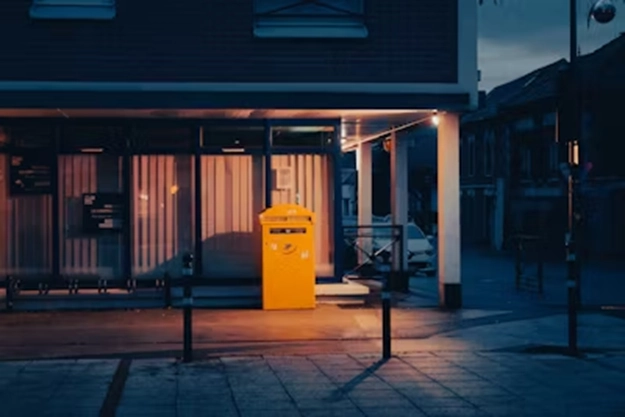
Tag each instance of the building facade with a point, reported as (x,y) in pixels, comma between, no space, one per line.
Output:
(136,132)
(514,148)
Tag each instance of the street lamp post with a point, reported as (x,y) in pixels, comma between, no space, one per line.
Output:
(572,260)
(602,11)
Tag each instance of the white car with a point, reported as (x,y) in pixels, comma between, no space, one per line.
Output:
(420,251)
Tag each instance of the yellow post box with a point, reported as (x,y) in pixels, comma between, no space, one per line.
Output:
(288,257)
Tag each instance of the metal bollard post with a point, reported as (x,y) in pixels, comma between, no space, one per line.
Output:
(187,303)
(9,293)
(387,287)
(167,290)
(386,319)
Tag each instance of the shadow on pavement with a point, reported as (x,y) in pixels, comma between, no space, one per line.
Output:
(354,382)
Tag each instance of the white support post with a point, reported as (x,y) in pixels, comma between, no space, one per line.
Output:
(449,271)
(364,165)
(399,195)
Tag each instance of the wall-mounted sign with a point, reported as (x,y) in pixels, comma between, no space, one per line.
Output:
(283,178)
(102,212)
(31,173)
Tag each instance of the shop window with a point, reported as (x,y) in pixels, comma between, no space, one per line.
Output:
(309,19)
(233,138)
(73,9)
(302,137)
(87,252)
(25,212)
(162,213)
(232,193)
(92,139)
(160,139)
(310,185)
(30,137)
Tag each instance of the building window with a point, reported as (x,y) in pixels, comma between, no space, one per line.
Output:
(92,140)
(73,9)
(489,153)
(471,158)
(526,164)
(309,19)
(463,159)
(233,139)
(554,153)
(162,139)
(312,137)
(346,207)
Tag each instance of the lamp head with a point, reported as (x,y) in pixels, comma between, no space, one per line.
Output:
(435,118)
(602,11)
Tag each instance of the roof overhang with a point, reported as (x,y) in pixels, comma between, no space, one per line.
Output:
(215,96)
(357,125)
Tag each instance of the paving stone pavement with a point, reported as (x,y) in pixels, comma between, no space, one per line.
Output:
(428,384)
(58,388)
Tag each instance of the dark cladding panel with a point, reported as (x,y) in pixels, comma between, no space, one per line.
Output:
(408,41)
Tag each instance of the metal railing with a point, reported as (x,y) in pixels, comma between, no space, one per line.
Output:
(381,248)
(376,252)
(47,285)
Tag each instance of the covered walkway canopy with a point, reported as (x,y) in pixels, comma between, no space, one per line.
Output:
(354,131)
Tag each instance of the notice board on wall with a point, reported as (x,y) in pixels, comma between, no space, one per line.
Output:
(30,173)
(102,213)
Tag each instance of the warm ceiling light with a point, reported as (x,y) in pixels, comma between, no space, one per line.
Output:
(435,118)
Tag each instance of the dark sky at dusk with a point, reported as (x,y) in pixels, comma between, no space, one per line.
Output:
(518,36)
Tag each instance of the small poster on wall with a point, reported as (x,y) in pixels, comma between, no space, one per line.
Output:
(102,213)
(30,173)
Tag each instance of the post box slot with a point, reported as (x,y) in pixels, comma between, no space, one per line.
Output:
(287,219)
(287,231)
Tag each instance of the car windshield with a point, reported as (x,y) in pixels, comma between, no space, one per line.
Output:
(387,233)
(414,232)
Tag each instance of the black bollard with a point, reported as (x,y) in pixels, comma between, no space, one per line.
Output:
(386,319)
(167,290)
(187,304)
(387,288)
(9,293)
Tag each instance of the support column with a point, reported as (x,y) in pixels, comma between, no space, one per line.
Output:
(337,217)
(399,203)
(364,166)
(449,287)
(268,172)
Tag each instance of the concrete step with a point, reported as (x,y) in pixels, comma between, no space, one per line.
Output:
(203,297)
